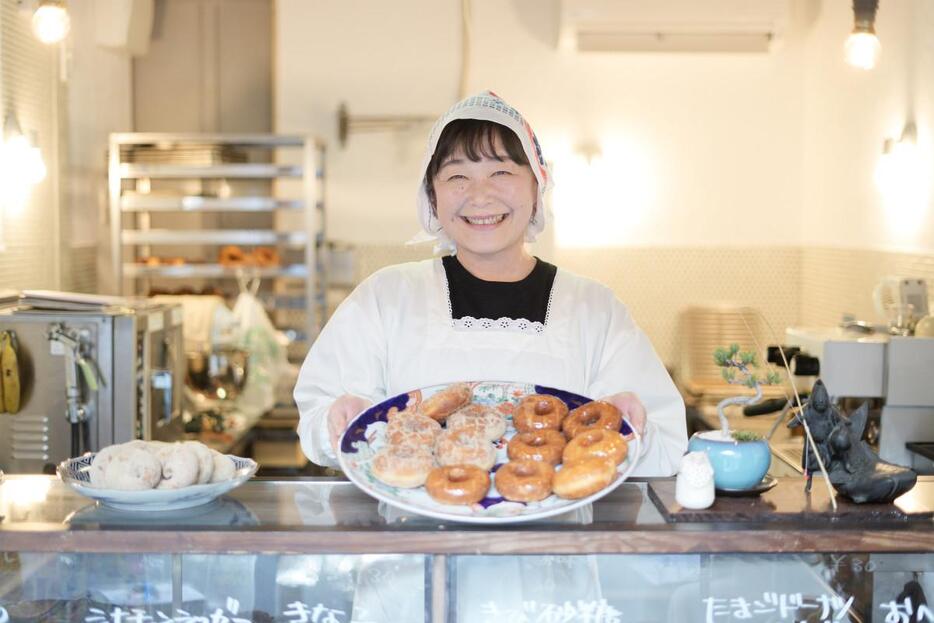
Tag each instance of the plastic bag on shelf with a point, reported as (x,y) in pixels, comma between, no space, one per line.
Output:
(266,345)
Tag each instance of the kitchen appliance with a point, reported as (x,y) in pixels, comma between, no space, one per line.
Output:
(91,377)
(902,301)
(895,369)
(218,374)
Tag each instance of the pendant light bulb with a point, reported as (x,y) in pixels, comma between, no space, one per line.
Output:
(862,50)
(51,22)
(862,47)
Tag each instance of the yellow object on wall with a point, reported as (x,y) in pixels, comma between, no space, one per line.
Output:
(9,370)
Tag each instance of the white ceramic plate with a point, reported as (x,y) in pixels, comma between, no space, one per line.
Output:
(74,473)
(365,436)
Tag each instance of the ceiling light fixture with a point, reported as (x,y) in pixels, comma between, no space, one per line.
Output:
(50,22)
(862,46)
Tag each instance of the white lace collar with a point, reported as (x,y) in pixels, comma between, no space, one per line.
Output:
(518,325)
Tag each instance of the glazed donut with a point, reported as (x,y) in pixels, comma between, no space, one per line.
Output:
(179,466)
(411,427)
(491,423)
(404,466)
(446,402)
(542,445)
(231,255)
(539,411)
(585,477)
(595,414)
(265,256)
(458,484)
(525,481)
(598,442)
(465,446)
(132,469)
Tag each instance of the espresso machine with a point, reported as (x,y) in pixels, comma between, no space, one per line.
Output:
(897,369)
(88,378)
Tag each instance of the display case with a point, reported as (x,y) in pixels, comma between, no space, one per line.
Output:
(321,551)
(207,213)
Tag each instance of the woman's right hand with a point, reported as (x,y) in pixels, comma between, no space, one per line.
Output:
(341,412)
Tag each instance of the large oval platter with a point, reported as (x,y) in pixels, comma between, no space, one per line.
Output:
(366,435)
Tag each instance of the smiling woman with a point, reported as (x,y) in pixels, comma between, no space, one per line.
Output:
(489,311)
(484,196)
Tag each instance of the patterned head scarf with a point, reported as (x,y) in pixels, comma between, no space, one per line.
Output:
(485,106)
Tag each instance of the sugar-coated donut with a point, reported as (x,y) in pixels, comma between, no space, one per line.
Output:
(585,477)
(491,423)
(595,414)
(132,469)
(446,402)
(224,467)
(412,427)
(539,411)
(404,466)
(598,442)
(179,466)
(205,460)
(465,446)
(458,484)
(543,445)
(524,481)
(101,460)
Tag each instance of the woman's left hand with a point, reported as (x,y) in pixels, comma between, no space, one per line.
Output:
(631,407)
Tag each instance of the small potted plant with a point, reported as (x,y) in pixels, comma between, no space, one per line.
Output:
(740,459)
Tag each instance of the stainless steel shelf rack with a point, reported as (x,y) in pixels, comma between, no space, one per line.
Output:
(155,175)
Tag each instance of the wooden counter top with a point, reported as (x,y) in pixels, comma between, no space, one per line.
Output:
(328,516)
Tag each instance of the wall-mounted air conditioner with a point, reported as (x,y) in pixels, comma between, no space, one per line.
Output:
(672,25)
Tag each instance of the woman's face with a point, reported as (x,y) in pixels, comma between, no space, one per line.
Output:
(485,207)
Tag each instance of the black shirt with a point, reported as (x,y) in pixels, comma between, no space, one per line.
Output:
(472,296)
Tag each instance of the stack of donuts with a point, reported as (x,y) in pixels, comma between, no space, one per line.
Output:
(139,465)
(447,443)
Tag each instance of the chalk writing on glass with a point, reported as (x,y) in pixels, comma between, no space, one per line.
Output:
(905,612)
(784,605)
(296,612)
(302,613)
(567,612)
(856,564)
(139,615)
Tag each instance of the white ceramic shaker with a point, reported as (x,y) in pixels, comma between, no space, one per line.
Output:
(694,485)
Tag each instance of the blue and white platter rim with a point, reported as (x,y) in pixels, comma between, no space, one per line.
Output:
(364,436)
(75,473)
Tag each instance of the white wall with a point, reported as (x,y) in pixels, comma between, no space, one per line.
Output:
(30,223)
(703,149)
(98,102)
(848,113)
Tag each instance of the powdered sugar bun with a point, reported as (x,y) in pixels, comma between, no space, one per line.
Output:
(132,469)
(179,466)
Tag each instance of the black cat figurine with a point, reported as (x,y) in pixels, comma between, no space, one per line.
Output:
(854,469)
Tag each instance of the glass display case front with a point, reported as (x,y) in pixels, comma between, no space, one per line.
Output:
(322,552)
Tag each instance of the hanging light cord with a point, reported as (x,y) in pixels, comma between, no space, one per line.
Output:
(465,48)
